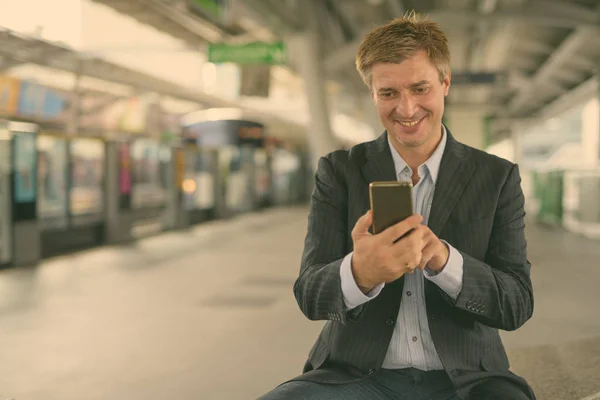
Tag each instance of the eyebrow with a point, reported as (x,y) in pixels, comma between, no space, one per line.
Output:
(421,83)
(410,86)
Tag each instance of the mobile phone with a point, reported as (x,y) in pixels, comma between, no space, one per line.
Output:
(391,202)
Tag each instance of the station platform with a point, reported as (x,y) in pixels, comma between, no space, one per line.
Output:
(209,313)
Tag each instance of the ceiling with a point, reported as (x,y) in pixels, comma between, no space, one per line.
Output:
(98,77)
(539,50)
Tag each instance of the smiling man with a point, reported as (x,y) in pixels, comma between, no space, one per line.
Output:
(431,334)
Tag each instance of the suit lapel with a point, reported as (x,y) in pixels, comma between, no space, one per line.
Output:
(379,165)
(454,174)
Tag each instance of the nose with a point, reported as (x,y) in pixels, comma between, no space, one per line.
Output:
(406,107)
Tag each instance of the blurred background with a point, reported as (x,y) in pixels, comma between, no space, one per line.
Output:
(157,158)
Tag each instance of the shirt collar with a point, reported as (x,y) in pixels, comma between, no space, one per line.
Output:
(432,164)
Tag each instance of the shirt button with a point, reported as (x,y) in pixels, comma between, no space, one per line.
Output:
(409,293)
(415,339)
(389,321)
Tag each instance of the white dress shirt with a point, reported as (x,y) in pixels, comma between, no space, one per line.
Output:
(411,344)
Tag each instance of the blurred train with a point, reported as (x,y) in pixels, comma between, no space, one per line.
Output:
(60,193)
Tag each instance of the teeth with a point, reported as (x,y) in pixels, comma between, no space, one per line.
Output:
(409,123)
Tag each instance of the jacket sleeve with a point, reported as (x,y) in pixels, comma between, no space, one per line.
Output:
(318,289)
(498,290)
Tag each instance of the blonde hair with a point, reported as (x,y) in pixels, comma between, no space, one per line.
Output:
(400,39)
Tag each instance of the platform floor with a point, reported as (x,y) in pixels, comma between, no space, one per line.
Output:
(209,314)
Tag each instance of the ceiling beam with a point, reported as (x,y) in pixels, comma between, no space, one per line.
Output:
(480,35)
(346,28)
(553,14)
(560,105)
(396,7)
(155,12)
(286,14)
(541,12)
(568,100)
(476,50)
(578,39)
(343,57)
(583,63)
(101,105)
(533,47)
(569,76)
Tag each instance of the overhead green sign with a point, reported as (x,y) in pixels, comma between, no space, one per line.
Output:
(212,7)
(250,53)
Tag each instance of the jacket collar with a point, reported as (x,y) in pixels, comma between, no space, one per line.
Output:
(455,170)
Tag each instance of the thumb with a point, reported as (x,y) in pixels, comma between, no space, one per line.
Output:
(362,225)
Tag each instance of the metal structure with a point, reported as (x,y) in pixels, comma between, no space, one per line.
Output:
(173,18)
(17,49)
(544,48)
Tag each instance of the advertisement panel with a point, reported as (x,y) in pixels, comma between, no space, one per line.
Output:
(52,177)
(87,176)
(127,115)
(39,102)
(124,169)
(9,94)
(24,148)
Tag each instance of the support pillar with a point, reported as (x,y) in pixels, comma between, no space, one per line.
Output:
(304,52)
(370,116)
(590,133)
(75,111)
(589,184)
(467,126)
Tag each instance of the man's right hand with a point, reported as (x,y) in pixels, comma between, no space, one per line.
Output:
(381,258)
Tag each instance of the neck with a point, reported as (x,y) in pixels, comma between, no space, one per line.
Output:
(416,156)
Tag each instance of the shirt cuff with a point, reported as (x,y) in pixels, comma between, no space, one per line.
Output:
(353,296)
(450,278)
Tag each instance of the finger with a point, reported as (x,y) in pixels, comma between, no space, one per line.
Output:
(363,224)
(414,239)
(398,230)
(427,255)
(409,254)
(412,266)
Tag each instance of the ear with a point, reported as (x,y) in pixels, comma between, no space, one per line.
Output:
(446,83)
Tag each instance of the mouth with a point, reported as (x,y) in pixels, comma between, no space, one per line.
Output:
(410,123)
(410,126)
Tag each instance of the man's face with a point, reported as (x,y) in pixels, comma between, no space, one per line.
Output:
(409,98)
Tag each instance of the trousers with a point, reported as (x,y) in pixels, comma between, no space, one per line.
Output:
(402,384)
(392,384)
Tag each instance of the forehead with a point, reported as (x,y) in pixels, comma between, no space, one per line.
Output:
(412,70)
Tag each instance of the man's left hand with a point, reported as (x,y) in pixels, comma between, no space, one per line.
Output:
(435,252)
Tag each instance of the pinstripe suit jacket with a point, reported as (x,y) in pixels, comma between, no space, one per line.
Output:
(478,207)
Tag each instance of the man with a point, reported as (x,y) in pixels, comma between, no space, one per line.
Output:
(416,318)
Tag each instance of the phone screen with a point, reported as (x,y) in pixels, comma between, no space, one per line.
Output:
(391,202)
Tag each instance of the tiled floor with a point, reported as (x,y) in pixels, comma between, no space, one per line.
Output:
(209,314)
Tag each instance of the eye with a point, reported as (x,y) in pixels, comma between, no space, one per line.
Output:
(421,90)
(386,95)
